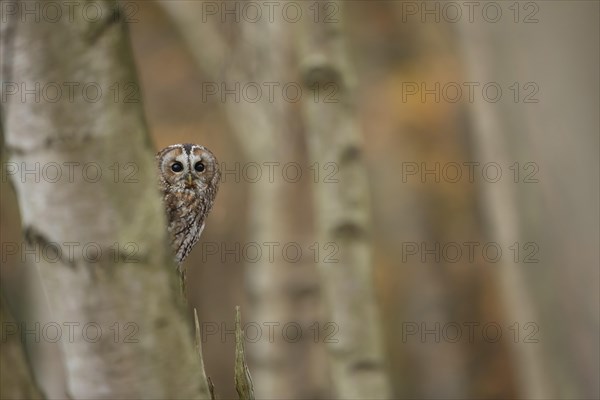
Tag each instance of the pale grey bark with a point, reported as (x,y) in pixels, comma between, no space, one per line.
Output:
(359,369)
(279,292)
(558,54)
(132,285)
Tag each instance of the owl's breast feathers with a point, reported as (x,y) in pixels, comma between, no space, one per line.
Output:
(186,214)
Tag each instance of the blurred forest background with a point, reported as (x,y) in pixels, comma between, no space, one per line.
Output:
(542,295)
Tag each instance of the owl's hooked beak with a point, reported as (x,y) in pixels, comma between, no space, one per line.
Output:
(189,180)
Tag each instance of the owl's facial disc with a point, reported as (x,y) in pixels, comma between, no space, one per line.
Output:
(189,166)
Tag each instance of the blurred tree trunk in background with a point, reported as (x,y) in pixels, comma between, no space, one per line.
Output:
(279,291)
(152,354)
(557,207)
(359,369)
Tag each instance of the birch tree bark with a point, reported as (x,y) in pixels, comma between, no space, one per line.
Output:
(342,210)
(98,232)
(552,124)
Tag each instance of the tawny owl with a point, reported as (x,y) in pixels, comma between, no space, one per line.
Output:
(189,179)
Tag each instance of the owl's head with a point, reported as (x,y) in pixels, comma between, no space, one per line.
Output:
(188,166)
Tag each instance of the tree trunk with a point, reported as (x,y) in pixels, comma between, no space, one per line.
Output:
(91,208)
(552,124)
(359,369)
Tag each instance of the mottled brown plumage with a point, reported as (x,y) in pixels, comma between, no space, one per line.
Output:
(189,179)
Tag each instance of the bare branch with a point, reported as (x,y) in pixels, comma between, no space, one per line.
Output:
(243,380)
(204,381)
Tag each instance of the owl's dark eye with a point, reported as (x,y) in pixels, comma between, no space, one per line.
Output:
(199,166)
(177,167)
